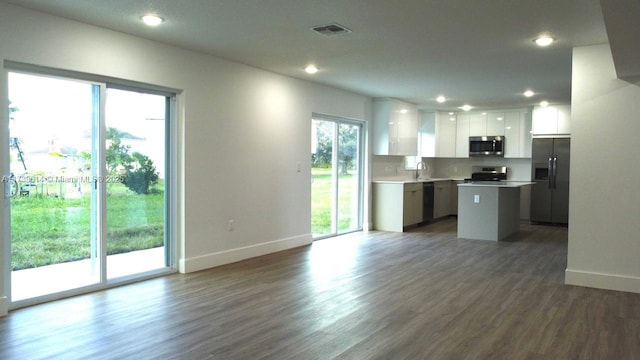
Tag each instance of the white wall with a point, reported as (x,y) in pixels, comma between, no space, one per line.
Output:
(242,132)
(604,223)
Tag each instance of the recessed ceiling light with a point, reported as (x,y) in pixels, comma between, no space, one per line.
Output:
(404,111)
(311,69)
(451,113)
(529,93)
(152,20)
(466,107)
(544,103)
(544,40)
(441,99)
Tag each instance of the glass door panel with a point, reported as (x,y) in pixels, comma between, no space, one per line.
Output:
(323,196)
(135,183)
(53,243)
(336,190)
(348,211)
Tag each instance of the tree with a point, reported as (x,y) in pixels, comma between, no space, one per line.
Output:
(138,169)
(117,155)
(140,174)
(347,145)
(324,151)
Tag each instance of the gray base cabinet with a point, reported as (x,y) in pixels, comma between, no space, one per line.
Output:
(442,199)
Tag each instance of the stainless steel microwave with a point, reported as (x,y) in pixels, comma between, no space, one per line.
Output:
(486,145)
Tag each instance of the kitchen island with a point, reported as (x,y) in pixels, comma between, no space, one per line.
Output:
(489,210)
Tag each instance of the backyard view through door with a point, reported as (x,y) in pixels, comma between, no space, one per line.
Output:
(87,164)
(336,172)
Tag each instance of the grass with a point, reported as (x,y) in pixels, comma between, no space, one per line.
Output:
(49,230)
(321,201)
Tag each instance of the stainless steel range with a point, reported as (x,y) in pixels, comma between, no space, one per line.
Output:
(488,173)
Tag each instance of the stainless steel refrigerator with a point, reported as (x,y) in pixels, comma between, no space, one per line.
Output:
(550,172)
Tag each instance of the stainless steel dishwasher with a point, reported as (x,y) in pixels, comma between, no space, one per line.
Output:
(427,201)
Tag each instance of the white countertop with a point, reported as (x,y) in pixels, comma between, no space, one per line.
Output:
(408,181)
(505,183)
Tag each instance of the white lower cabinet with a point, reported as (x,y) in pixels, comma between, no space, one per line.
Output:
(396,205)
(442,199)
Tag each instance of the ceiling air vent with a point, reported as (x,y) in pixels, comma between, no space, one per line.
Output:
(331,29)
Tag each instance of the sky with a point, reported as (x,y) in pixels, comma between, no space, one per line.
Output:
(55,114)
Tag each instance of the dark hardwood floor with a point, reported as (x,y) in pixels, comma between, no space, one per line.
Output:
(418,295)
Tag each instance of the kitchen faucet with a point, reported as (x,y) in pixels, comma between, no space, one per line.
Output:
(424,167)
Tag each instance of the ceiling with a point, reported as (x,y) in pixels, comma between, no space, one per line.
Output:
(473,52)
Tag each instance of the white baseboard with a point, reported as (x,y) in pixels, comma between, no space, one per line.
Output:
(230,256)
(602,281)
(4,306)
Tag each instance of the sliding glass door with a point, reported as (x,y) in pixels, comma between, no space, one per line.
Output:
(53,205)
(136,125)
(336,171)
(87,184)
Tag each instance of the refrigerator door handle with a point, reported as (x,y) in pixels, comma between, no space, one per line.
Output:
(550,172)
(555,170)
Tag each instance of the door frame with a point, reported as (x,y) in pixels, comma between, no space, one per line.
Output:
(361,173)
(172,193)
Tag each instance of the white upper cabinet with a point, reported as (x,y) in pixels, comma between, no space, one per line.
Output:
(495,124)
(395,128)
(517,133)
(552,120)
(486,124)
(427,134)
(462,135)
(445,135)
(478,124)
(564,119)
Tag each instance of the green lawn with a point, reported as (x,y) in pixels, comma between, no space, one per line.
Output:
(321,201)
(48,230)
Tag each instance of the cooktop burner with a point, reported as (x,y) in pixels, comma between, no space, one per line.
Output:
(488,173)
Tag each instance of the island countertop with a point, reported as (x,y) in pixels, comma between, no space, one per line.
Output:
(504,183)
(409,181)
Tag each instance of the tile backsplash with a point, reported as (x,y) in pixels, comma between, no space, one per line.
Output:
(455,168)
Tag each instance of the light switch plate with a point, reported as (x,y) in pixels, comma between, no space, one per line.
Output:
(476,199)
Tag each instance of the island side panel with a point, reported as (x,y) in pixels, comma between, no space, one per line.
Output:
(508,212)
(478,220)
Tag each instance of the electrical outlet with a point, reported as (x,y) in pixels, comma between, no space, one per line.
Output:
(299,167)
(476,199)
(230,225)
